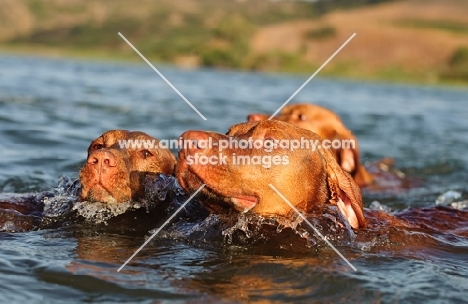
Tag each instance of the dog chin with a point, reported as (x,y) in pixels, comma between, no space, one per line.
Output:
(100,194)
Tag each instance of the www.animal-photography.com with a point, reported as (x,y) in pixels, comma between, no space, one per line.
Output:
(234,151)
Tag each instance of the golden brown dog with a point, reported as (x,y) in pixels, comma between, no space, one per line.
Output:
(114,173)
(327,125)
(111,174)
(308,178)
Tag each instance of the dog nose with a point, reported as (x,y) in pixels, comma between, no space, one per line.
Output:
(102,158)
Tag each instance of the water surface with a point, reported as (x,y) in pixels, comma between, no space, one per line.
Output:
(51,109)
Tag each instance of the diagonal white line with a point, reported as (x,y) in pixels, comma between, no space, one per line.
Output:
(162,76)
(313,75)
(312,226)
(160,228)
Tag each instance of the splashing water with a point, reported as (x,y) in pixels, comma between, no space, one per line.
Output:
(98,213)
(157,187)
(331,224)
(62,206)
(451,198)
(63,203)
(375,205)
(460,205)
(58,207)
(250,228)
(448,197)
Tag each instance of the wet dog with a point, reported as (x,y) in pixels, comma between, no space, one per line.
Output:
(240,179)
(115,173)
(329,126)
(117,170)
(309,178)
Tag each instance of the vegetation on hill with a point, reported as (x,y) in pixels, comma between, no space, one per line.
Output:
(292,36)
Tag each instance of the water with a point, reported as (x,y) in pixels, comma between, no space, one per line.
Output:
(51,109)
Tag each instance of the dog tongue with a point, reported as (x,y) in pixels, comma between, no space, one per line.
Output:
(244,203)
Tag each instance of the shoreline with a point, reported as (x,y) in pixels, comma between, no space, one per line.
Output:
(115,57)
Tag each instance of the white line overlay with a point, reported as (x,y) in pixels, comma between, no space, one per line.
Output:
(160,228)
(162,76)
(313,75)
(312,226)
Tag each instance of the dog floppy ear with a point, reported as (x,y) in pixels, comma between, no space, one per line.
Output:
(349,159)
(345,193)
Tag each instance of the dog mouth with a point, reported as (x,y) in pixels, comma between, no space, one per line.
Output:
(244,203)
(98,193)
(219,202)
(214,198)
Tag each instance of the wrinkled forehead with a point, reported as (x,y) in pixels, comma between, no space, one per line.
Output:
(114,138)
(269,128)
(137,135)
(298,109)
(110,138)
(308,110)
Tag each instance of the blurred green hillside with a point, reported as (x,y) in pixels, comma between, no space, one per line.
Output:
(415,40)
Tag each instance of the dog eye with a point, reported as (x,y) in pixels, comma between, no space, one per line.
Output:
(98,147)
(146,153)
(302,117)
